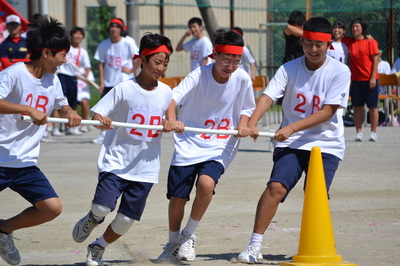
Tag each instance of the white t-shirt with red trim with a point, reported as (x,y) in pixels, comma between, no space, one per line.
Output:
(205,103)
(133,154)
(20,140)
(77,56)
(115,56)
(305,93)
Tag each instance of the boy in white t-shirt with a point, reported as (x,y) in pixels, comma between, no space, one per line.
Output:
(129,160)
(340,50)
(200,46)
(315,86)
(216,96)
(247,62)
(32,89)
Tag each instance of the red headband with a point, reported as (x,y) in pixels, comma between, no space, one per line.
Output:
(317,36)
(238,32)
(119,22)
(227,49)
(149,51)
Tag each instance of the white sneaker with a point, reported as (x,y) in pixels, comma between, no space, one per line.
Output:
(95,255)
(84,227)
(84,128)
(186,250)
(169,253)
(359,137)
(252,254)
(73,131)
(8,251)
(56,132)
(98,140)
(373,137)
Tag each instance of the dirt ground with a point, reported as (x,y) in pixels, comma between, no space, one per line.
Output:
(364,205)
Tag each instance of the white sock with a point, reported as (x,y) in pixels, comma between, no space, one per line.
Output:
(256,240)
(174,236)
(100,241)
(191,227)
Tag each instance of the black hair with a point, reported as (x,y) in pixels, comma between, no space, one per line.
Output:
(154,40)
(239,30)
(361,22)
(196,20)
(46,32)
(318,24)
(339,24)
(77,29)
(296,18)
(230,38)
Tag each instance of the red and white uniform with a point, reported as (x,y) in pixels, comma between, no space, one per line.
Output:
(206,103)
(84,88)
(199,49)
(77,56)
(115,56)
(340,52)
(20,140)
(133,154)
(246,60)
(305,93)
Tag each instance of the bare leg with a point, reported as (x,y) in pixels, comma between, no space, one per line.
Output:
(358,117)
(374,118)
(43,211)
(204,193)
(110,236)
(85,108)
(176,211)
(267,206)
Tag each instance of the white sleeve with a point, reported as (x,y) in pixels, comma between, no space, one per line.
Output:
(277,86)
(185,86)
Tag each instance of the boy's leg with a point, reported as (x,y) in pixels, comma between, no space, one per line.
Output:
(204,193)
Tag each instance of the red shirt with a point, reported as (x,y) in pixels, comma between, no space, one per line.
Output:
(361,52)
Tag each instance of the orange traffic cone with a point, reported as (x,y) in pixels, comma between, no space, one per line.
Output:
(317,243)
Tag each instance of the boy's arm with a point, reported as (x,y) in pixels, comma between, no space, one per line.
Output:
(293,30)
(375,62)
(37,116)
(104,120)
(243,129)
(170,124)
(179,46)
(74,119)
(101,76)
(262,106)
(323,115)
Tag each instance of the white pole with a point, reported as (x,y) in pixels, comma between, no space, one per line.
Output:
(148,127)
(82,73)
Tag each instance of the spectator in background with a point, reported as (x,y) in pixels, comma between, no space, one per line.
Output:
(364,77)
(340,50)
(113,54)
(13,48)
(383,66)
(396,66)
(293,32)
(77,57)
(200,46)
(247,61)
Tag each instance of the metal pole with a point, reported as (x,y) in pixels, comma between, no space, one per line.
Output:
(391,57)
(162,17)
(208,16)
(232,13)
(132,17)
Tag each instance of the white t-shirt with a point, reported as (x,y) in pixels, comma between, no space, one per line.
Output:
(115,56)
(199,49)
(384,67)
(246,60)
(133,154)
(206,103)
(340,52)
(20,140)
(77,56)
(84,88)
(305,93)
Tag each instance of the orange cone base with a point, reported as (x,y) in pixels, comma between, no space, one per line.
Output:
(343,263)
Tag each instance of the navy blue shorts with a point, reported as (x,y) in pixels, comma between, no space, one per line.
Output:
(29,182)
(70,88)
(361,94)
(289,165)
(181,179)
(133,194)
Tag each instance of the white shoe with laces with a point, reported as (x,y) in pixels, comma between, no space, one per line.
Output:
(95,255)
(186,250)
(8,251)
(84,227)
(252,254)
(169,253)
(359,137)
(373,137)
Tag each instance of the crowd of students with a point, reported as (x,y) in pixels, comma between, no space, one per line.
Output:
(216,94)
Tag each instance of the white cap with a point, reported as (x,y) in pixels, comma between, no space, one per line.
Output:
(13,18)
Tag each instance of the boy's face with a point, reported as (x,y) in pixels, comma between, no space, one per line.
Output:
(76,38)
(195,29)
(225,65)
(115,30)
(356,30)
(53,62)
(338,33)
(315,53)
(156,66)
